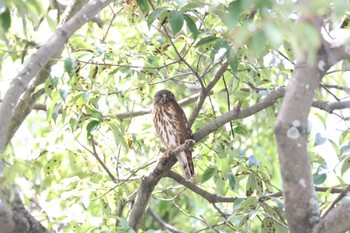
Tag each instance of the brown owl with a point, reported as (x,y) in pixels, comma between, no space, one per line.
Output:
(171,126)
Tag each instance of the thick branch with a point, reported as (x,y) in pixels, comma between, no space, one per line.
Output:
(301,205)
(39,60)
(150,181)
(337,221)
(235,114)
(331,106)
(340,48)
(18,220)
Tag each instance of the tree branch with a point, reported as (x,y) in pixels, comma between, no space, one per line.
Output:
(335,201)
(205,92)
(302,208)
(212,198)
(149,182)
(162,223)
(29,97)
(39,60)
(337,221)
(235,114)
(18,219)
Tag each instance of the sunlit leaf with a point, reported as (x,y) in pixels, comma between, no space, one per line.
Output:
(268,226)
(68,66)
(143,4)
(207,174)
(232,60)
(251,185)
(319,178)
(176,20)
(345,165)
(253,161)
(91,126)
(231,180)
(319,140)
(155,15)
(191,26)
(206,40)
(234,12)
(5,19)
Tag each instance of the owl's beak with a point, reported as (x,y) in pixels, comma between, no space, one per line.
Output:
(164,99)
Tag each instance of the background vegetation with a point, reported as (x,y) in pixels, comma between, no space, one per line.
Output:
(78,160)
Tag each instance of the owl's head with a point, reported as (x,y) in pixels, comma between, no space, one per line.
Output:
(163,96)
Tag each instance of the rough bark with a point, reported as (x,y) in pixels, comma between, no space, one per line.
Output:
(18,219)
(336,222)
(301,205)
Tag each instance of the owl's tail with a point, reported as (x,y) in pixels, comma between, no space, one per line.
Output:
(186,164)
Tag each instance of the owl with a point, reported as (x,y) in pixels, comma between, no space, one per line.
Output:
(171,126)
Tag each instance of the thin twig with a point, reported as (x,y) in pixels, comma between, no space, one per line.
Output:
(94,153)
(339,197)
(162,223)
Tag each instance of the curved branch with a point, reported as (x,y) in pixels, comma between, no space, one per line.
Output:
(337,221)
(18,219)
(235,114)
(212,198)
(29,97)
(162,223)
(39,60)
(149,182)
(205,92)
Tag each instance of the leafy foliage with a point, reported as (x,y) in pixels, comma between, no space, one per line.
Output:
(106,76)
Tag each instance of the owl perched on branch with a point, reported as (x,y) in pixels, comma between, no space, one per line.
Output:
(171,126)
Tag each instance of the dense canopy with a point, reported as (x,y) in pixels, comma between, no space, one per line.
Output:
(264,85)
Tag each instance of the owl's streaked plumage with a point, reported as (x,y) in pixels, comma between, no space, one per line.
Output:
(171,126)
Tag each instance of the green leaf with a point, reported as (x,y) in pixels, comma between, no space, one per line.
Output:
(5,19)
(319,140)
(273,35)
(92,126)
(191,26)
(232,60)
(190,6)
(206,40)
(207,174)
(250,185)
(125,226)
(231,180)
(64,92)
(345,149)
(256,43)
(55,111)
(250,203)
(221,187)
(241,130)
(253,161)
(176,20)
(234,12)
(154,15)
(319,178)
(143,4)
(345,166)
(335,147)
(268,226)
(68,66)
